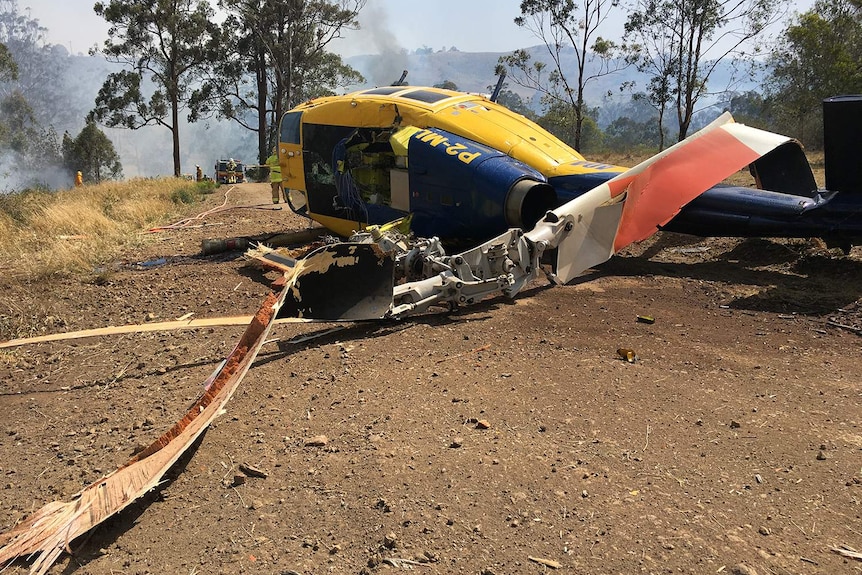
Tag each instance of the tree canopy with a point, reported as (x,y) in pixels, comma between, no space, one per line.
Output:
(682,42)
(818,55)
(167,45)
(91,153)
(273,56)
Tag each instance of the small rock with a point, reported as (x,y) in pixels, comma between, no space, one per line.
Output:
(317,441)
(456,442)
(335,549)
(390,540)
(584,494)
(821,456)
(763,530)
(742,569)
(483,424)
(758,478)
(251,471)
(735,425)
(239,480)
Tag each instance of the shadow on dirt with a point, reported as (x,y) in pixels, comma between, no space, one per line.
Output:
(435,317)
(790,279)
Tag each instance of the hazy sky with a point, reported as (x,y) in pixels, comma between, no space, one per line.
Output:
(469,25)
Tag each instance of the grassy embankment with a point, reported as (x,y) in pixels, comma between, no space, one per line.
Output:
(45,234)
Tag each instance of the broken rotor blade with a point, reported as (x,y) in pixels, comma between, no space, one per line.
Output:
(47,532)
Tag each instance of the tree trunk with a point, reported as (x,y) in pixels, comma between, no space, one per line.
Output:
(262,100)
(175,133)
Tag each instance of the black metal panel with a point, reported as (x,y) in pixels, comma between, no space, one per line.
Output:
(342,282)
(842,132)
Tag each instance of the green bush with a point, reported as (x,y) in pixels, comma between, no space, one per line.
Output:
(186,194)
(20,206)
(206,186)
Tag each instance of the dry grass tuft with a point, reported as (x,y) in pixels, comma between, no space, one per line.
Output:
(44,234)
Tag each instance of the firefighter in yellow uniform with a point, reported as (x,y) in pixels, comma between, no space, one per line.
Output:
(274,175)
(79,179)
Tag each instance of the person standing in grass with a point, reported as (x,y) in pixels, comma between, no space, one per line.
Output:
(274,175)
(79,179)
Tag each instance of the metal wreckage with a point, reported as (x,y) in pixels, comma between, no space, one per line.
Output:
(461,168)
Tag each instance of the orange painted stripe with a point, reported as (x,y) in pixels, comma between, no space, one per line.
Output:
(658,193)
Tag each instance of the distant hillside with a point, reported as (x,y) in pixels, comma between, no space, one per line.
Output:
(474,72)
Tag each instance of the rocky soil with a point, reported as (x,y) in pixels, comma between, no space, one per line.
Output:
(508,437)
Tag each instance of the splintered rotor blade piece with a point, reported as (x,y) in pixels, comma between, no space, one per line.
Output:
(341,282)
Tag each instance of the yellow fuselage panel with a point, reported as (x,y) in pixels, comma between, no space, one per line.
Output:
(292,170)
(339,226)
(467,115)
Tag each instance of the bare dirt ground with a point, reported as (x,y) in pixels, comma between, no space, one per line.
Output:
(474,442)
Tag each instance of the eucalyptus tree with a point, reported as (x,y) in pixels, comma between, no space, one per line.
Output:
(683,42)
(275,54)
(8,67)
(819,54)
(564,27)
(166,47)
(91,153)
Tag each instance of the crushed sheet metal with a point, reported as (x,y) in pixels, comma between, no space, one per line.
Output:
(341,282)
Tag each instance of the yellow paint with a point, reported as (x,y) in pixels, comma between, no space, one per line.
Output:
(292,173)
(338,226)
(467,115)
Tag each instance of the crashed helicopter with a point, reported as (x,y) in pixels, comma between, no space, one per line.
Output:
(468,170)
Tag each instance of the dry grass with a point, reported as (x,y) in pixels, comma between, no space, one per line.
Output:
(70,231)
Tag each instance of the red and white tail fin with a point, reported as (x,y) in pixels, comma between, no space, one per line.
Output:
(632,206)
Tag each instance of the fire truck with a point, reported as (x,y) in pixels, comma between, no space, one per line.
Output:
(229,171)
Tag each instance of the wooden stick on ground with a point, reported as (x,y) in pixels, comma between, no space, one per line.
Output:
(142,328)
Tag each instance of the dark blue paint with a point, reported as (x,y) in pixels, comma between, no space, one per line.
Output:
(451,198)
